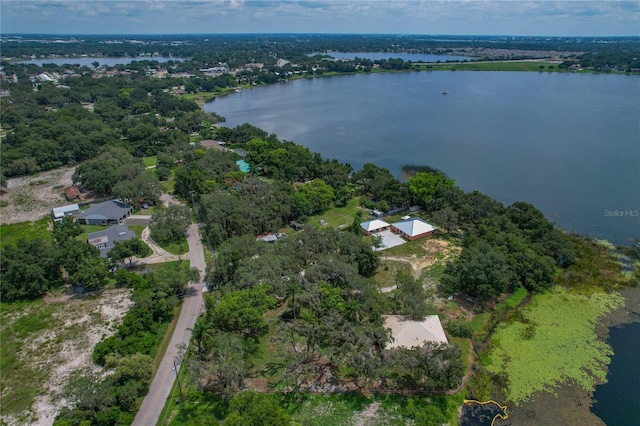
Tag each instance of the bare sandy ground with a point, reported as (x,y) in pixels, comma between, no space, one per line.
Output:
(66,347)
(30,198)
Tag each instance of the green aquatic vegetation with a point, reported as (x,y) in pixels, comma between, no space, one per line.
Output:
(554,343)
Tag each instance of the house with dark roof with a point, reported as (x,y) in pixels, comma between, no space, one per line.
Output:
(105,240)
(413,228)
(112,212)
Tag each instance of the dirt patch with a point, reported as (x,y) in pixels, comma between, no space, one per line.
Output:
(66,347)
(29,198)
(435,251)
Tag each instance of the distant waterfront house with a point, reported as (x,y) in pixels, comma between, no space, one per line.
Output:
(372,226)
(59,213)
(105,240)
(112,212)
(414,228)
(409,334)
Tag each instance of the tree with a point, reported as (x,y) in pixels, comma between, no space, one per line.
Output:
(3,182)
(241,311)
(255,409)
(221,367)
(423,186)
(170,224)
(28,269)
(92,272)
(127,249)
(65,231)
(480,271)
(411,296)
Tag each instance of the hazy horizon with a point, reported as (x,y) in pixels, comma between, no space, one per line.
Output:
(535,18)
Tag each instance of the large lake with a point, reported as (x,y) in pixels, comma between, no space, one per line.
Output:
(568,143)
(617,401)
(110,62)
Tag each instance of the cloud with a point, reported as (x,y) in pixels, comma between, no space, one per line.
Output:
(517,17)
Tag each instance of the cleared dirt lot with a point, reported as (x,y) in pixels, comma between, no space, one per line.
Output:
(53,340)
(29,198)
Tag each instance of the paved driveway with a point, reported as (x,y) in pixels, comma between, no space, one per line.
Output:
(389,239)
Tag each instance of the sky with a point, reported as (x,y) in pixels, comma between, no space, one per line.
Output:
(463,17)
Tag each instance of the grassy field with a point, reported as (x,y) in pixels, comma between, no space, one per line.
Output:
(168,185)
(494,66)
(338,216)
(150,161)
(11,233)
(176,248)
(20,321)
(386,274)
(204,97)
(327,410)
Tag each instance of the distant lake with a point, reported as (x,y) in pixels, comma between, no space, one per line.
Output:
(568,143)
(413,57)
(617,400)
(86,61)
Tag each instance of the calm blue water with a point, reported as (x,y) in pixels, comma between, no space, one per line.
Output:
(243,165)
(568,143)
(617,400)
(413,57)
(86,61)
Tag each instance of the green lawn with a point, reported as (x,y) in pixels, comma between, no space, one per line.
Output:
(11,233)
(150,161)
(168,185)
(176,248)
(337,216)
(386,274)
(495,66)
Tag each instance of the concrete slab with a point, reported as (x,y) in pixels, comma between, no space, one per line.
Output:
(389,239)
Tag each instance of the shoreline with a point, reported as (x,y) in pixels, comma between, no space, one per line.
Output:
(569,404)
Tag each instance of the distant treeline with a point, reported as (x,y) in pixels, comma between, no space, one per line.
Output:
(237,50)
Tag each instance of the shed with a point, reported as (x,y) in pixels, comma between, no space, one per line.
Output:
(59,213)
(296,225)
(72,193)
(409,334)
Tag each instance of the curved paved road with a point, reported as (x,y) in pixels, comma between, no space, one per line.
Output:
(192,306)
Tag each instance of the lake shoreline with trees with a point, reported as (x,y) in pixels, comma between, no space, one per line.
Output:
(293,324)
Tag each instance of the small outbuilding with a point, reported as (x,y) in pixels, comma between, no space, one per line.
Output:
(105,240)
(373,226)
(409,334)
(112,212)
(72,193)
(59,213)
(413,228)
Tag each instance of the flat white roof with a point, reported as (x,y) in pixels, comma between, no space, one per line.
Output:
(372,225)
(409,334)
(60,211)
(415,226)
